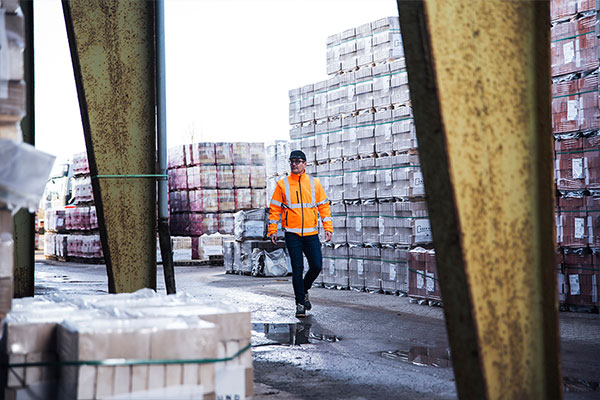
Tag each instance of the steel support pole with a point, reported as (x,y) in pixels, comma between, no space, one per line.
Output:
(479,76)
(164,235)
(112,49)
(24,221)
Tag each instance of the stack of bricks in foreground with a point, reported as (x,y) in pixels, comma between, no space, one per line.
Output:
(576,128)
(357,130)
(155,331)
(209,182)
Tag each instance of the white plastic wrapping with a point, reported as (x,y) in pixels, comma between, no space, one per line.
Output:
(23,174)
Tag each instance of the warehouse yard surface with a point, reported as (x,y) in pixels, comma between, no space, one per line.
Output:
(353,345)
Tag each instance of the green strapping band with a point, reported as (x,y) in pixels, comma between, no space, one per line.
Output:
(574,94)
(578,151)
(584,268)
(382,169)
(160,176)
(421,273)
(557,212)
(572,37)
(364,259)
(117,362)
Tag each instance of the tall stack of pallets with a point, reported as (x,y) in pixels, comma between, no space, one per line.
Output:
(209,182)
(576,129)
(357,130)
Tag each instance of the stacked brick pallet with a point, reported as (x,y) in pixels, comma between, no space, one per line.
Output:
(209,182)
(154,331)
(72,231)
(357,130)
(576,128)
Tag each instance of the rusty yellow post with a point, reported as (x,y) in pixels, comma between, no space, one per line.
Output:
(112,48)
(479,75)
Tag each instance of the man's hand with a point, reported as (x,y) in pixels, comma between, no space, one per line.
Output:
(328,236)
(274,238)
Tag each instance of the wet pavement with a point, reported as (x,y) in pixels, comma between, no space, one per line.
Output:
(352,345)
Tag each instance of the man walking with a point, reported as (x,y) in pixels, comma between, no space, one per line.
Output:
(298,201)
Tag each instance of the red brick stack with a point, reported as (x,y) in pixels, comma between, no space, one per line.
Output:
(576,128)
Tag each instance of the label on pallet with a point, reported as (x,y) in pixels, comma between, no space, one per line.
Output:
(430,281)
(572,106)
(569,52)
(393,272)
(579,228)
(420,280)
(331,267)
(359,267)
(574,285)
(577,168)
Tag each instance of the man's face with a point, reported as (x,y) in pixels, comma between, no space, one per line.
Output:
(297,166)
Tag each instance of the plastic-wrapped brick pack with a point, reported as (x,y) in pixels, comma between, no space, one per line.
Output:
(394,270)
(223,154)
(240,153)
(423,281)
(574,45)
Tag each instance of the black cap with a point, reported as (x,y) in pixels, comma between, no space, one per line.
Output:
(298,154)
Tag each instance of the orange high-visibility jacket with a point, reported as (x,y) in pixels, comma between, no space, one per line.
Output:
(298,201)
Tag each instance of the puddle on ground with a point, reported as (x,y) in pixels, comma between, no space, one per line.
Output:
(264,334)
(580,385)
(423,356)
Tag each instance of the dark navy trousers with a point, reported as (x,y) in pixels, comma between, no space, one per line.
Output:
(311,247)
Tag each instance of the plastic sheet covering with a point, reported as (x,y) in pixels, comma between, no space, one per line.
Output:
(250,224)
(258,262)
(23,174)
(228,256)
(276,263)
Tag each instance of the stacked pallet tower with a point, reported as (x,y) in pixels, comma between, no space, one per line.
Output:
(71,232)
(12,110)
(357,130)
(209,182)
(576,128)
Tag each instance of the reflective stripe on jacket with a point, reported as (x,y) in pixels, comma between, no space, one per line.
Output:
(298,201)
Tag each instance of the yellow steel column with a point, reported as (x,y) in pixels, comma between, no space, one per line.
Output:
(479,75)
(112,48)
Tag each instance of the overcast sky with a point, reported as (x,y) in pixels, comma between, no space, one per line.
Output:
(230,65)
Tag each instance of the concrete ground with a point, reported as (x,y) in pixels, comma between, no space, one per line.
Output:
(353,345)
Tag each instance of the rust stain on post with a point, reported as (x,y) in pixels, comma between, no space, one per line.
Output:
(481,96)
(112,46)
